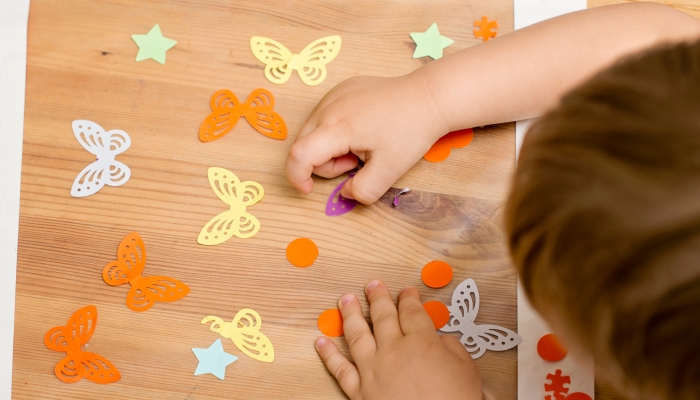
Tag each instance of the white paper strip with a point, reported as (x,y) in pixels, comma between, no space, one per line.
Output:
(13,65)
(533,370)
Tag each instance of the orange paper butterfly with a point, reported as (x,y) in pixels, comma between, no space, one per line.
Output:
(145,290)
(227,110)
(79,364)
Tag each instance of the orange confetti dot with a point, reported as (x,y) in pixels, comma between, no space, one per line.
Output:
(550,348)
(442,148)
(302,252)
(330,323)
(438,312)
(578,396)
(436,274)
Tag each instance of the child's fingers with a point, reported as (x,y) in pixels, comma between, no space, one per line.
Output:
(385,318)
(357,333)
(310,151)
(372,181)
(412,315)
(455,346)
(340,367)
(337,166)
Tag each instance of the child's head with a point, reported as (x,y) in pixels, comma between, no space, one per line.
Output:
(604,220)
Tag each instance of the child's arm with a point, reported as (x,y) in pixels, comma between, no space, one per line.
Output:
(391,122)
(404,358)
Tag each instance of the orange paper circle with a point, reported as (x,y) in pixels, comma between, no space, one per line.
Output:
(459,139)
(578,396)
(330,323)
(436,274)
(438,312)
(302,252)
(550,348)
(439,151)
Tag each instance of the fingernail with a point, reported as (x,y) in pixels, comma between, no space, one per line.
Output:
(371,285)
(346,299)
(405,289)
(320,342)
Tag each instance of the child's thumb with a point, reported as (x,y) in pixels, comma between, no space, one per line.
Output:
(371,182)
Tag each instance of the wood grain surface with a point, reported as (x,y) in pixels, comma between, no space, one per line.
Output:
(81,66)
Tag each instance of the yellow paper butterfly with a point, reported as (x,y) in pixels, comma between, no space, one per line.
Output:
(310,63)
(245,333)
(236,221)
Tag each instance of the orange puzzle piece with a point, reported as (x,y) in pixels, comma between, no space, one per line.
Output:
(485,27)
(257,110)
(79,364)
(145,290)
(442,148)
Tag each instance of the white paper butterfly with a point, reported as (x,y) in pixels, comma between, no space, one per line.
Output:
(476,338)
(105,146)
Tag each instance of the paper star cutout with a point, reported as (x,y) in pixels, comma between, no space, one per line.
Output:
(213,360)
(153,45)
(430,43)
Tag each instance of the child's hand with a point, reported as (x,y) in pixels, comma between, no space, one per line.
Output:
(404,358)
(389,123)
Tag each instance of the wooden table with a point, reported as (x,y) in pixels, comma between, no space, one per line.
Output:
(81,66)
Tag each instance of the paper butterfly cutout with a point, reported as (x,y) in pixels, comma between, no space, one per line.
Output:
(245,333)
(443,147)
(236,221)
(310,63)
(145,290)
(105,146)
(476,338)
(227,110)
(337,204)
(79,364)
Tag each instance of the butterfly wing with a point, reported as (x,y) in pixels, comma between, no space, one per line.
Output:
(131,260)
(227,224)
(98,142)
(275,57)
(262,117)
(91,179)
(337,204)
(98,369)
(249,193)
(117,173)
(245,334)
(91,366)
(225,113)
(75,333)
(465,306)
(313,59)
(146,291)
(224,184)
(479,338)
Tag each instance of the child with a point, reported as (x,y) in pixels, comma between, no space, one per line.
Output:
(603,221)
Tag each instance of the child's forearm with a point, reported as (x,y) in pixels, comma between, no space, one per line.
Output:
(522,74)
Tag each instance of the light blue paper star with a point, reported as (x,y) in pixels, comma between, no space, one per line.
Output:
(213,360)
(153,45)
(430,43)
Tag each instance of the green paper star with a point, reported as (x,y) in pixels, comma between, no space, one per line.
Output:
(430,43)
(153,45)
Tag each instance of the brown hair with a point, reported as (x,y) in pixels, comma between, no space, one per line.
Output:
(604,220)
